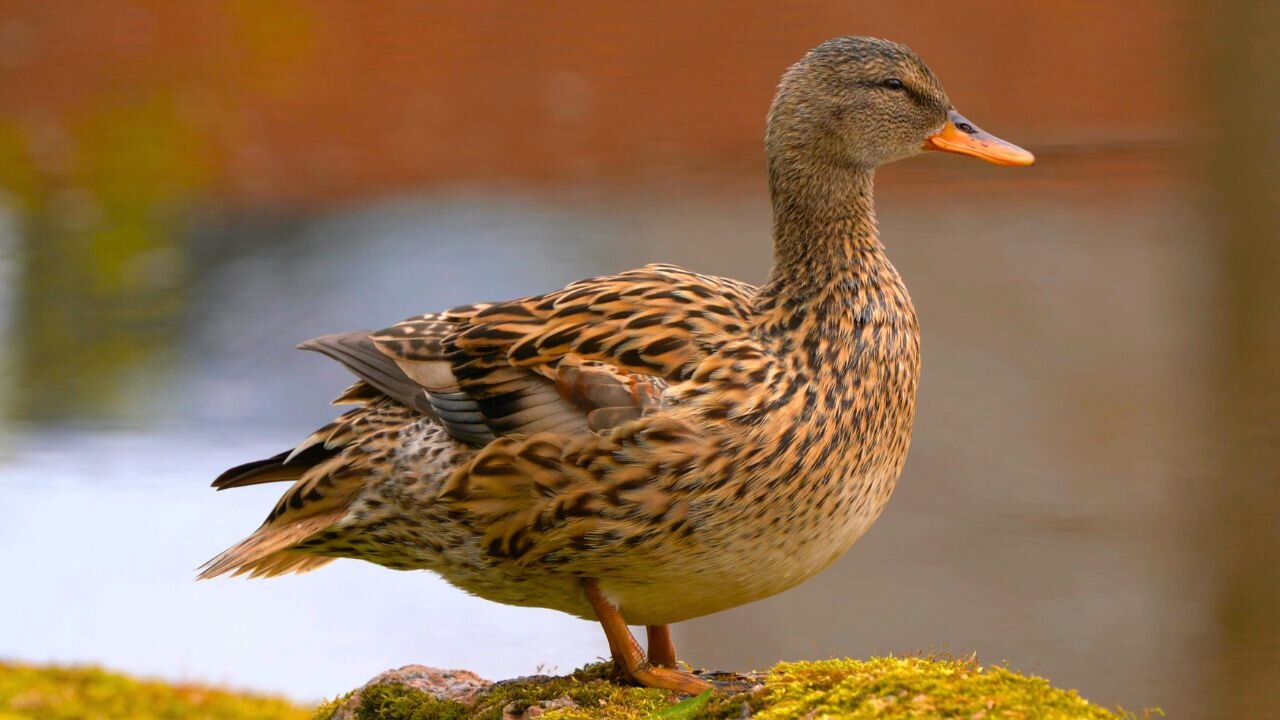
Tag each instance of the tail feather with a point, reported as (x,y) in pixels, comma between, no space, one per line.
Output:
(266,552)
(328,470)
(258,471)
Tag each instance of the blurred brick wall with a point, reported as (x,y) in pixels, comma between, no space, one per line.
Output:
(297,102)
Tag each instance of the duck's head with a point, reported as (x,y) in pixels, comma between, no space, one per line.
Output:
(861,102)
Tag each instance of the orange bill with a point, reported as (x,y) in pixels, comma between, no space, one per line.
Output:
(964,138)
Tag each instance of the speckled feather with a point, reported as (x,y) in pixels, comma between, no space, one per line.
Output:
(689,442)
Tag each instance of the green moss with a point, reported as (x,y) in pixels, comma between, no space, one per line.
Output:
(883,688)
(915,687)
(29,692)
(593,694)
(393,702)
(326,709)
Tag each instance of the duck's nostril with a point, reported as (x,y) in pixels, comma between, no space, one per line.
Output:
(966,127)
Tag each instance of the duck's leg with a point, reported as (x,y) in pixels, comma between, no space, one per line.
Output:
(629,658)
(662,650)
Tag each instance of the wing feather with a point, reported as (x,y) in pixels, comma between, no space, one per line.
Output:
(358,353)
(586,358)
(534,382)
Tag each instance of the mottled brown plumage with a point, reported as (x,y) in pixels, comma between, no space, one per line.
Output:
(654,445)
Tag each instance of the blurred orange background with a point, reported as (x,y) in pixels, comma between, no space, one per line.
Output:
(315,102)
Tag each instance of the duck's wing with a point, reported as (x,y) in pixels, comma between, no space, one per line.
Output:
(521,381)
(587,357)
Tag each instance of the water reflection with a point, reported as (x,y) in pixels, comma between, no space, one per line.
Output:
(103,271)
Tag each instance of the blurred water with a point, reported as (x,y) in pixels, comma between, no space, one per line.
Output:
(1038,521)
(99,562)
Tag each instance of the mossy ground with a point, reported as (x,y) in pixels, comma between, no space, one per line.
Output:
(29,692)
(590,690)
(882,688)
(914,687)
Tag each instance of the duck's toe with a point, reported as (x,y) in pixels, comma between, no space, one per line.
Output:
(730,683)
(668,679)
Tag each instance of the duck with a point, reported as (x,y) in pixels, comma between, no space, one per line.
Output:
(655,445)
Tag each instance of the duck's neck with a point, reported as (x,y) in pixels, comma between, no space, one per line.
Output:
(825,242)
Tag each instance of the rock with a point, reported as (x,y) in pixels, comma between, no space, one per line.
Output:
(459,686)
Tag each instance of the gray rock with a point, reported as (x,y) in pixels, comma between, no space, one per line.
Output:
(458,685)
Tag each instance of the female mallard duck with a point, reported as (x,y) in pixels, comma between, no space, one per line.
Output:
(652,446)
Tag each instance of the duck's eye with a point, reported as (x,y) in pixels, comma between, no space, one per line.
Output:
(893,84)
